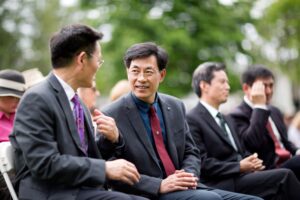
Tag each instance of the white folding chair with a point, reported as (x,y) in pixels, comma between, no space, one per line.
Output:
(7,165)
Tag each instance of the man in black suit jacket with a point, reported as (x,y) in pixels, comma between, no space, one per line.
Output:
(225,164)
(254,114)
(169,169)
(52,160)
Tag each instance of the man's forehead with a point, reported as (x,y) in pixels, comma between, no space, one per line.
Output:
(266,80)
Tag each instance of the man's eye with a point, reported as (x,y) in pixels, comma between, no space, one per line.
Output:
(149,72)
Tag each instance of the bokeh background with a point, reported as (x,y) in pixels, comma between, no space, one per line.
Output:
(236,32)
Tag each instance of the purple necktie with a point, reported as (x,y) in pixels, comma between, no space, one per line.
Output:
(159,142)
(79,118)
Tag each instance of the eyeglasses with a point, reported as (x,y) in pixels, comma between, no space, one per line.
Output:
(147,73)
(99,61)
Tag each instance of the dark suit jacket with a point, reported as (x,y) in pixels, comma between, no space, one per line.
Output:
(49,161)
(138,149)
(220,161)
(251,125)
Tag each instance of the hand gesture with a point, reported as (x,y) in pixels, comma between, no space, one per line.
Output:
(251,163)
(180,180)
(257,93)
(106,126)
(122,170)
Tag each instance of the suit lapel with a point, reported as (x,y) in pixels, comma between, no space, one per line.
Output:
(169,116)
(138,126)
(65,106)
(92,147)
(213,124)
(234,135)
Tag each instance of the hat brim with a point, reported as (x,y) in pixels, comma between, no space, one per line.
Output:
(9,92)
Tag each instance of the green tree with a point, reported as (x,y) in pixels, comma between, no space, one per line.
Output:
(280,24)
(192,32)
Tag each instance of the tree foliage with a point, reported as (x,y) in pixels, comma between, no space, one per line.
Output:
(280,24)
(191,31)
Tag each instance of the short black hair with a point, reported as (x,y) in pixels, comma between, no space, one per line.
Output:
(143,50)
(254,72)
(205,72)
(70,41)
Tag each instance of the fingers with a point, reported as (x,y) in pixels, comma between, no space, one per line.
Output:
(180,181)
(107,126)
(258,95)
(131,175)
(122,170)
(97,112)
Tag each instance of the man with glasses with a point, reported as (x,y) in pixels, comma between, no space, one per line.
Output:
(154,134)
(56,154)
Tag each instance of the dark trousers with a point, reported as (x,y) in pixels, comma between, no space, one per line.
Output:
(93,194)
(206,194)
(294,165)
(268,184)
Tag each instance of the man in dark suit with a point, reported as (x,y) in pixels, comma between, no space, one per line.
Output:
(155,136)
(260,125)
(55,151)
(225,164)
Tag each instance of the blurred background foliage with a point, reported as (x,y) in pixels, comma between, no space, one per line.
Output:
(192,32)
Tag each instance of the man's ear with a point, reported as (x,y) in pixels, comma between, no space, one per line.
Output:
(202,85)
(162,75)
(80,58)
(245,87)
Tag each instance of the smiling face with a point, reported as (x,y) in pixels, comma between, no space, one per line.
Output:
(216,92)
(144,78)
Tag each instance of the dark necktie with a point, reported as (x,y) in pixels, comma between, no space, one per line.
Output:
(159,142)
(282,153)
(222,123)
(79,118)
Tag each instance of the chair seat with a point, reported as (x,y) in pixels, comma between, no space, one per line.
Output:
(6,157)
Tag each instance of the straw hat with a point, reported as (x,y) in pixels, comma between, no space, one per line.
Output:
(12,83)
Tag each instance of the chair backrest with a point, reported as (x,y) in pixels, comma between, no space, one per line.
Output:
(6,157)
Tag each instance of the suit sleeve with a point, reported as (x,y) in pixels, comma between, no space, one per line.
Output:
(191,162)
(147,184)
(251,127)
(35,132)
(211,166)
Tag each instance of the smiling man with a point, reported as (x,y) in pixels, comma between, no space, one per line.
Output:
(155,136)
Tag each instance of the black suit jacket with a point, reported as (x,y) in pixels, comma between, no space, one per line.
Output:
(251,126)
(49,161)
(137,148)
(220,161)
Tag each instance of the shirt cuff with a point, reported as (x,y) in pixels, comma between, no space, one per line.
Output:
(261,106)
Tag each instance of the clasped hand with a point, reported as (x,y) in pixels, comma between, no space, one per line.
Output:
(180,180)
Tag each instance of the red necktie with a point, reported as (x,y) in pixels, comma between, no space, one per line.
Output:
(282,153)
(159,142)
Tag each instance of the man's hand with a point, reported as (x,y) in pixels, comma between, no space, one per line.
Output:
(180,180)
(122,170)
(257,94)
(251,163)
(106,126)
